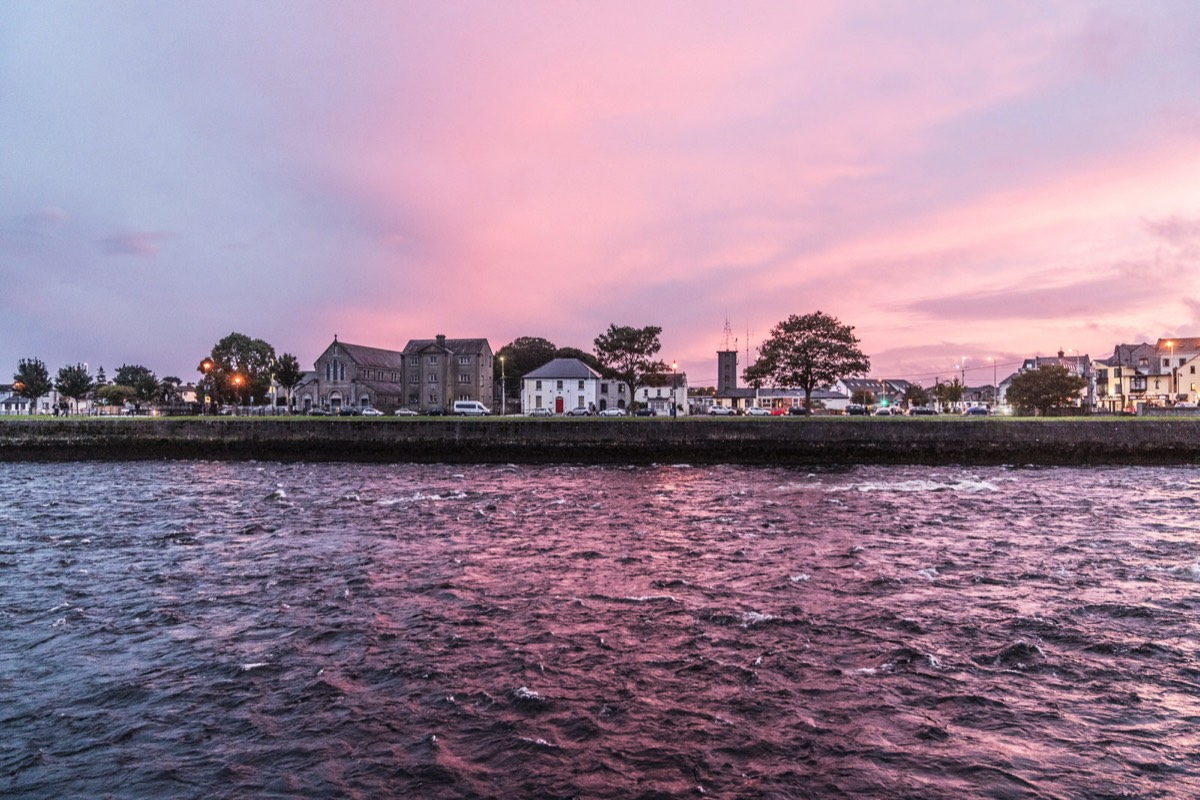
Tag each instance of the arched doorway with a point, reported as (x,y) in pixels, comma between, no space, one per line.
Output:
(335,401)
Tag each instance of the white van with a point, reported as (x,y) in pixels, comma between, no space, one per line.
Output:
(471,408)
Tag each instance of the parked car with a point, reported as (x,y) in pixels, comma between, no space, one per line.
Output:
(645,412)
(782,411)
(758,411)
(613,412)
(372,412)
(976,411)
(921,411)
(856,410)
(348,412)
(796,411)
(886,412)
(721,411)
(435,411)
(541,412)
(579,412)
(318,412)
(406,412)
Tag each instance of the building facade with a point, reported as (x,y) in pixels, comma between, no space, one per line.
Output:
(562,385)
(427,376)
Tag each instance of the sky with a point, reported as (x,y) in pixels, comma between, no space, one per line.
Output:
(962,181)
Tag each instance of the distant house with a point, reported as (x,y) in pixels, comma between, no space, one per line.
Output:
(561,385)
(1122,378)
(663,391)
(886,391)
(10,403)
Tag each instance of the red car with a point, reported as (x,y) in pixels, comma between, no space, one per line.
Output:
(779,412)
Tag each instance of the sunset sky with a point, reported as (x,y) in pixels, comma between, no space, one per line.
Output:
(954,178)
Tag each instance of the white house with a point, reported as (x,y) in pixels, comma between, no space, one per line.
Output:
(664,390)
(564,384)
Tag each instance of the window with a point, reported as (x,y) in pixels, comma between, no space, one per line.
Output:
(412,399)
(604,388)
(559,386)
(464,361)
(1143,362)
(393,377)
(620,388)
(537,385)
(464,397)
(433,397)
(432,360)
(1193,369)
(579,404)
(1182,361)
(581,386)
(464,378)
(1166,362)
(537,401)
(433,377)
(414,378)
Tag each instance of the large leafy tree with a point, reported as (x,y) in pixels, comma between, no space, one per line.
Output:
(288,373)
(113,394)
(1045,388)
(916,396)
(73,382)
(142,380)
(628,354)
(521,355)
(806,352)
(237,356)
(31,380)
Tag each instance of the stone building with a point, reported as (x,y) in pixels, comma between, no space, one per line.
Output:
(427,376)
(440,371)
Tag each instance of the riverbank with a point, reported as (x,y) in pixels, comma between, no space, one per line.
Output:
(800,442)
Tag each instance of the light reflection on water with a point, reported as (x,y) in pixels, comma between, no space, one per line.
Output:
(209,629)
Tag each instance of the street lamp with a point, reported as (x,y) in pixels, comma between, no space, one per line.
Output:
(238,380)
(674,367)
(503,390)
(206,366)
(1171,364)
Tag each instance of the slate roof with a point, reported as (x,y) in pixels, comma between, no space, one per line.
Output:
(1130,355)
(568,368)
(373,356)
(464,346)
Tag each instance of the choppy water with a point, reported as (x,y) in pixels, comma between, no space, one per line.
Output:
(265,630)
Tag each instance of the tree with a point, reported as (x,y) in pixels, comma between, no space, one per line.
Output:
(1045,388)
(31,381)
(521,355)
(807,351)
(143,381)
(863,397)
(114,394)
(949,394)
(916,396)
(74,383)
(169,390)
(627,354)
(238,356)
(287,374)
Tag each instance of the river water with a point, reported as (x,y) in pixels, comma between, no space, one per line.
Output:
(201,629)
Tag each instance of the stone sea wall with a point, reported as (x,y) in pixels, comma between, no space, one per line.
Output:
(811,442)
